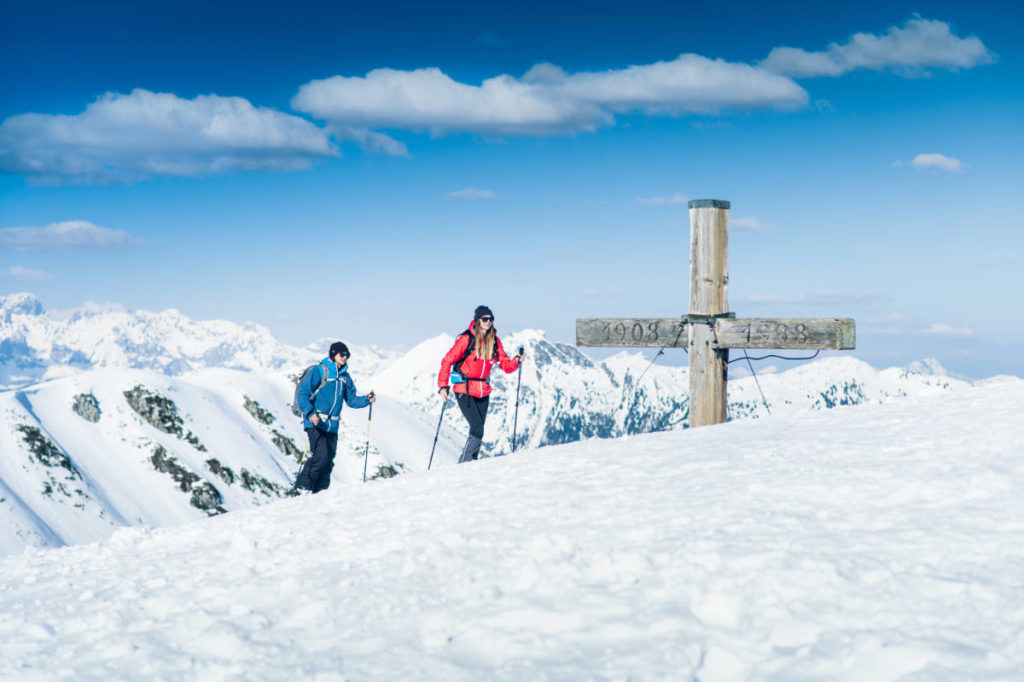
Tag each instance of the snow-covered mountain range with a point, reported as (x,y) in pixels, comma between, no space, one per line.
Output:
(35,346)
(113,418)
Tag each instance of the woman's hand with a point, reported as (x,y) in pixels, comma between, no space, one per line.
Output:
(444,394)
(314,419)
(372,397)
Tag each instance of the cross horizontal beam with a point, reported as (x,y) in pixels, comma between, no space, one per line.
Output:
(831,333)
(629,332)
(763,333)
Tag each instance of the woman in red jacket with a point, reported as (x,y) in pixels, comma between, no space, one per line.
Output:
(469,363)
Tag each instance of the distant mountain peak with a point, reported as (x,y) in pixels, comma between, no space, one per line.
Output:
(36,345)
(20,304)
(927,367)
(88,309)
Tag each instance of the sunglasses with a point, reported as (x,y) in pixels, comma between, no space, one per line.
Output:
(487,318)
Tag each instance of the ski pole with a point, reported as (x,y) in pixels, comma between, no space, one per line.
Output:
(302,462)
(515,420)
(366,455)
(436,434)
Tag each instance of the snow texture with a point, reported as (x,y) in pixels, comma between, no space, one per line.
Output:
(874,542)
(212,433)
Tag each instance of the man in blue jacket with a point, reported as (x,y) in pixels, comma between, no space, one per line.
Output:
(321,402)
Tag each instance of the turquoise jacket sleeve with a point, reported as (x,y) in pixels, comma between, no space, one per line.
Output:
(351,399)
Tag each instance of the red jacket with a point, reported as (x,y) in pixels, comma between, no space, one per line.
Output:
(473,368)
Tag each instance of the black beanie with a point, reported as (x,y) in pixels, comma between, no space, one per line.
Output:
(482,310)
(337,347)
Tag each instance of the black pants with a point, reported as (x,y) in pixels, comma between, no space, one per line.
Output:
(316,472)
(475,412)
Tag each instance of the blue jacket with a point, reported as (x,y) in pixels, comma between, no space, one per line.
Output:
(339,389)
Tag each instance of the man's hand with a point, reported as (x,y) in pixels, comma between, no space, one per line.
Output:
(519,358)
(372,397)
(444,394)
(314,420)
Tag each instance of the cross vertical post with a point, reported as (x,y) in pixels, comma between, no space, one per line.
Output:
(711,330)
(709,298)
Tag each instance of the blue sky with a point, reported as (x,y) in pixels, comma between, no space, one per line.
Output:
(375,172)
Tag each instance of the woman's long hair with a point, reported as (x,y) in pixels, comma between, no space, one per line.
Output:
(483,347)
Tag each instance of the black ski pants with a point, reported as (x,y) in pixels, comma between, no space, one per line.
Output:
(316,472)
(475,412)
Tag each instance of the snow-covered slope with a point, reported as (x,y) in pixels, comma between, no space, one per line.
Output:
(229,440)
(216,440)
(879,542)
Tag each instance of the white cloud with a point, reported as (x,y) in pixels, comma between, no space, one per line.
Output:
(883,331)
(896,324)
(938,161)
(674,200)
(427,99)
(943,329)
(373,142)
(817,298)
(128,137)
(686,85)
(65,236)
(911,49)
(546,100)
(473,194)
(27,273)
(751,224)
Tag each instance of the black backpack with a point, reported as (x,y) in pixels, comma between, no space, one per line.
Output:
(457,365)
(305,375)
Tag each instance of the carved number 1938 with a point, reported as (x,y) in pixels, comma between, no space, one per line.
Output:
(796,333)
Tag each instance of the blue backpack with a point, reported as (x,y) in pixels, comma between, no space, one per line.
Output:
(305,375)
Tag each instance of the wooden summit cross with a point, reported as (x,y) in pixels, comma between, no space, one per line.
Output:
(710,330)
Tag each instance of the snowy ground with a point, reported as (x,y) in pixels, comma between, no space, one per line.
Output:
(878,542)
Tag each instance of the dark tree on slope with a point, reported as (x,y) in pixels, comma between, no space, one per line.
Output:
(52,457)
(387,471)
(87,407)
(161,413)
(286,445)
(256,410)
(225,473)
(256,483)
(204,496)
